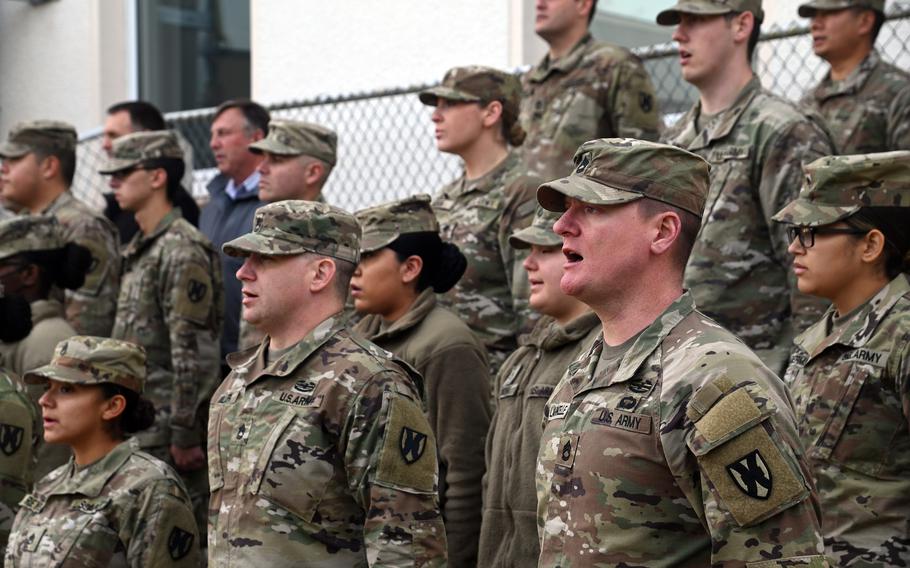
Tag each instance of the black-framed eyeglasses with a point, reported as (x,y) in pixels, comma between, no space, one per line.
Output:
(806,235)
(123,174)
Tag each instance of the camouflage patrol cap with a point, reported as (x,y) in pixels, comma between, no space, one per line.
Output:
(87,360)
(477,84)
(539,233)
(286,228)
(296,138)
(610,171)
(34,135)
(839,186)
(670,16)
(29,233)
(384,223)
(808,9)
(133,149)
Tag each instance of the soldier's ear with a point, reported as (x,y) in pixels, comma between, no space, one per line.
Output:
(873,247)
(324,270)
(48,166)
(411,268)
(113,407)
(492,114)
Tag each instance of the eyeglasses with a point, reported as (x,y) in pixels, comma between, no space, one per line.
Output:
(806,235)
(123,174)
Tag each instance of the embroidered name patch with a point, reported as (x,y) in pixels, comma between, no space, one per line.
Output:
(868,356)
(629,421)
(557,411)
(299,400)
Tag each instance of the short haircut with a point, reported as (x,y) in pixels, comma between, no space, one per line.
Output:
(143,115)
(753,37)
(688,232)
(879,21)
(593,12)
(326,167)
(174,168)
(66,157)
(344,271)
(256,116)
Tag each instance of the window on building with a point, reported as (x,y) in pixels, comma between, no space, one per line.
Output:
(193,53)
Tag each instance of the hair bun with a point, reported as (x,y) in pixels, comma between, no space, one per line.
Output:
(450,268)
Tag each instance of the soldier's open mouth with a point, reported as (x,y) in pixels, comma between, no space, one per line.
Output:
(572,256)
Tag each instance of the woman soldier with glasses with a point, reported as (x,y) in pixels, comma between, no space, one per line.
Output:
(850,373)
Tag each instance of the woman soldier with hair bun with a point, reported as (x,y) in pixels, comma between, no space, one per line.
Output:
(476,118)
(850,373)
(403,265)
(111,505)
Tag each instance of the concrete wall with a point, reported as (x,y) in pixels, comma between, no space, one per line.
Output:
(66,60)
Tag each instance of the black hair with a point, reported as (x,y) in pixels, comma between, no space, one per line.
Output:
(143,115)
(257,117)
(174,168)
(443,263)
(894,223)
(66,157)
(688,232)
(15,318)
(754,36)
(138,415)
(593,12)
(876,26)
(65,267)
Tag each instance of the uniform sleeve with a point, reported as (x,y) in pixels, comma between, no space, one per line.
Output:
(458,401)
(390,458)
(780,178)
(18,436)
(752,486)
(162,531)
(521,201)
(899,122)
(192,307)
(91,308)
(630,102)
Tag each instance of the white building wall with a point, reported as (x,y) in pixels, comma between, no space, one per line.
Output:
(62,60)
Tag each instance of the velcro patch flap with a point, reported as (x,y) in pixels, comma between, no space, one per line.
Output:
(407,460)
(729,417)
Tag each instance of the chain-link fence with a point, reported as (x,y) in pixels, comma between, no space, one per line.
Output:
(386,147)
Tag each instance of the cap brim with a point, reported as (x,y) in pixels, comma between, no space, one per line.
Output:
(552,195)
(430,96)
(114,165)
(534,236)
(670,17)
(810,214)
(372,243)
(57,373)
(258,243)
(8,150)
(273,147)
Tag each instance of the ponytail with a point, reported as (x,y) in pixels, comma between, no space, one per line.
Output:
(443,263)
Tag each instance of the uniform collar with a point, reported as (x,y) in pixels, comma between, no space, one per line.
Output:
(91,479)
(853,83)
(563,64)
(549,335)
(140,241)
(371,326)
(647,342)
(252,361)
(721,125)
(862,324)
(487,182)
(62,200)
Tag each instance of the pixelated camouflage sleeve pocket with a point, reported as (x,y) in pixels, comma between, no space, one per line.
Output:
(193,294)
(15,442)
(407,460)
(752,474)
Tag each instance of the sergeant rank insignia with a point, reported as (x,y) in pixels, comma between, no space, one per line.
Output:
(752,475)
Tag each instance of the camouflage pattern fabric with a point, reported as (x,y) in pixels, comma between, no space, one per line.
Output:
(384,223)
(539,232)
(670,16)
(739,270)
(90,309)
(478,216)
(508,534)
(597,90)
(27,136)
(296,138)
(850,381)
(131,150)
(86,360)
(24,234)
(171,304)
(322,457)
(19,422)
(808,9)
(456,375)
(682,452)
(836,187)
(869,111)
(127,509)
(479,84)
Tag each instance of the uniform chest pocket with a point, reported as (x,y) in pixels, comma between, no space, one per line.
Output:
(862,422)
(574,114)
(295,465)
(76,536)
(730,169)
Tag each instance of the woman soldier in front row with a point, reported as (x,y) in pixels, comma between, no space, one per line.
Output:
(850,372)
(111,505)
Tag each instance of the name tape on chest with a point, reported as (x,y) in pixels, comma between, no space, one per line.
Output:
(292,398)
(629,421)
(867,356)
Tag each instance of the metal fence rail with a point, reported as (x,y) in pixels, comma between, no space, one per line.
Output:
(386,147)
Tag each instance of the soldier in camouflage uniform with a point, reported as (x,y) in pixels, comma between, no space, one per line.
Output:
(493,198)
(756,143)
(398,294)
(667,443)
(111,505)
(47,143)
(864,101)
(297,160)
(170,303)
(319,450)
(581,90)
(18,437)
(508,535)
(850,372)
